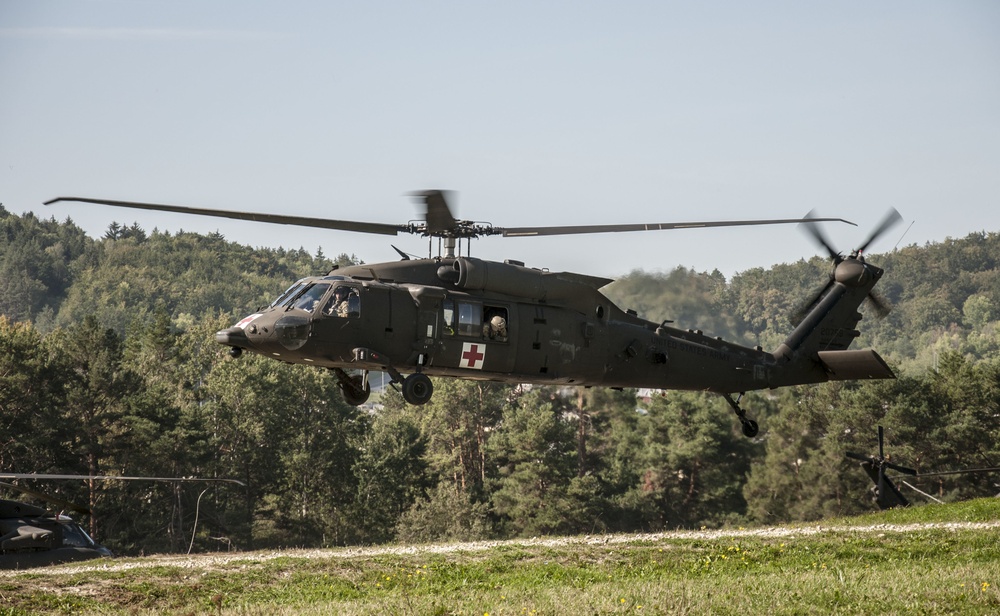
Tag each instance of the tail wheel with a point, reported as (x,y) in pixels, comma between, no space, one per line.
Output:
(417,389)
(356,393)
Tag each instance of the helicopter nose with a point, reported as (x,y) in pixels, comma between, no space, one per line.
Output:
(233,337)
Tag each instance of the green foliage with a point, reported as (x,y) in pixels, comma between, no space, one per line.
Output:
(108,365)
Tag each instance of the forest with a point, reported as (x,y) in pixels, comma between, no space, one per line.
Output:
(108,365)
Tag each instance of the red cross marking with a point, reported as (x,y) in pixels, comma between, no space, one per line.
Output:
(473,356)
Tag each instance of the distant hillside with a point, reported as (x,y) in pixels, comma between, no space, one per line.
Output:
(946,296)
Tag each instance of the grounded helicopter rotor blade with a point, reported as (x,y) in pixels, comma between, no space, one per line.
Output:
(891,218)
(858,456)
(280,219)
(45,476)
(659,226)
(818,235)
(65,504)
(902,469)
(989,469)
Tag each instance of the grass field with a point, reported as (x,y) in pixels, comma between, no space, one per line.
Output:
(940,559)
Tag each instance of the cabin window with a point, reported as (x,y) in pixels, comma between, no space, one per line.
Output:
(345,303)
(495,323)
(307,301)
(469,318)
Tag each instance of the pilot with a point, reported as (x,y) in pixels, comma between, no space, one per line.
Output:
(496,329)
(341,303)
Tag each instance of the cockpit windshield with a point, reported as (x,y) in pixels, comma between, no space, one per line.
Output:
(289,292)
(307,301)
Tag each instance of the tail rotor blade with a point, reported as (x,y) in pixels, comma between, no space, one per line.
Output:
(892,218)
(817,234)
(879,304)
(881,448)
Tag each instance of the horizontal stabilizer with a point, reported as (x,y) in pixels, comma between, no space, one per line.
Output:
(853,365)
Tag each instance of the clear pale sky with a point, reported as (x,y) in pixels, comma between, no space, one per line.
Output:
(536,113)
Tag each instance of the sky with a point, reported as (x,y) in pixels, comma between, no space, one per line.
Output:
(534,113)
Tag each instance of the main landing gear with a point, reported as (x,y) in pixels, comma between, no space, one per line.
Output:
(356,389)
(750,427)
(417,388)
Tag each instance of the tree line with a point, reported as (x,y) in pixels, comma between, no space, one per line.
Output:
(108,366)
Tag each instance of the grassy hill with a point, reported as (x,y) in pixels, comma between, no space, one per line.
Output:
(935,559)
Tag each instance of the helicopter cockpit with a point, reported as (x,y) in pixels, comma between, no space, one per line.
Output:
(306,295)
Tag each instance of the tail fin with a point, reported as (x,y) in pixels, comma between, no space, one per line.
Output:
(816,351)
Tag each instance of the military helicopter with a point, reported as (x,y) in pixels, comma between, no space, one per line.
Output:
(32,536)
(885,492)
(464,317)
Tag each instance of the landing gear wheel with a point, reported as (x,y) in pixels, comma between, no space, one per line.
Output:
(750,427)
(417,389)
(357,391)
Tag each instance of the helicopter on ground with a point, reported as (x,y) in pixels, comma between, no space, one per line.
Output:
(32,536)
(464,317)
(885,493)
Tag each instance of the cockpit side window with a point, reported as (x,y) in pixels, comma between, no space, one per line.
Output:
(344,303)
(307,301)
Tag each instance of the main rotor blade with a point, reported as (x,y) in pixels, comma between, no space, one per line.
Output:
(891,218)
(858,456)
(116,478)
(902,469)
(55,500)
(437,214)
(280,219)
(657,226)
(990,469)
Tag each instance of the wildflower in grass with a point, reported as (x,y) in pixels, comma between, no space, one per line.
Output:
(985,586)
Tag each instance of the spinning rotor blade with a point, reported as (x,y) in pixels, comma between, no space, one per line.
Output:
(817,235)
(438,220)
(892,217)
(879,304)
(438,215)
(656,226)
(858,456)
(280,219)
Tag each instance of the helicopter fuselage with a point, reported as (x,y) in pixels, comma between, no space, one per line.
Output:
(434,316)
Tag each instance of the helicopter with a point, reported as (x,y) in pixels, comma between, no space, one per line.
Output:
(885,492)
(455,315)
(32,536)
